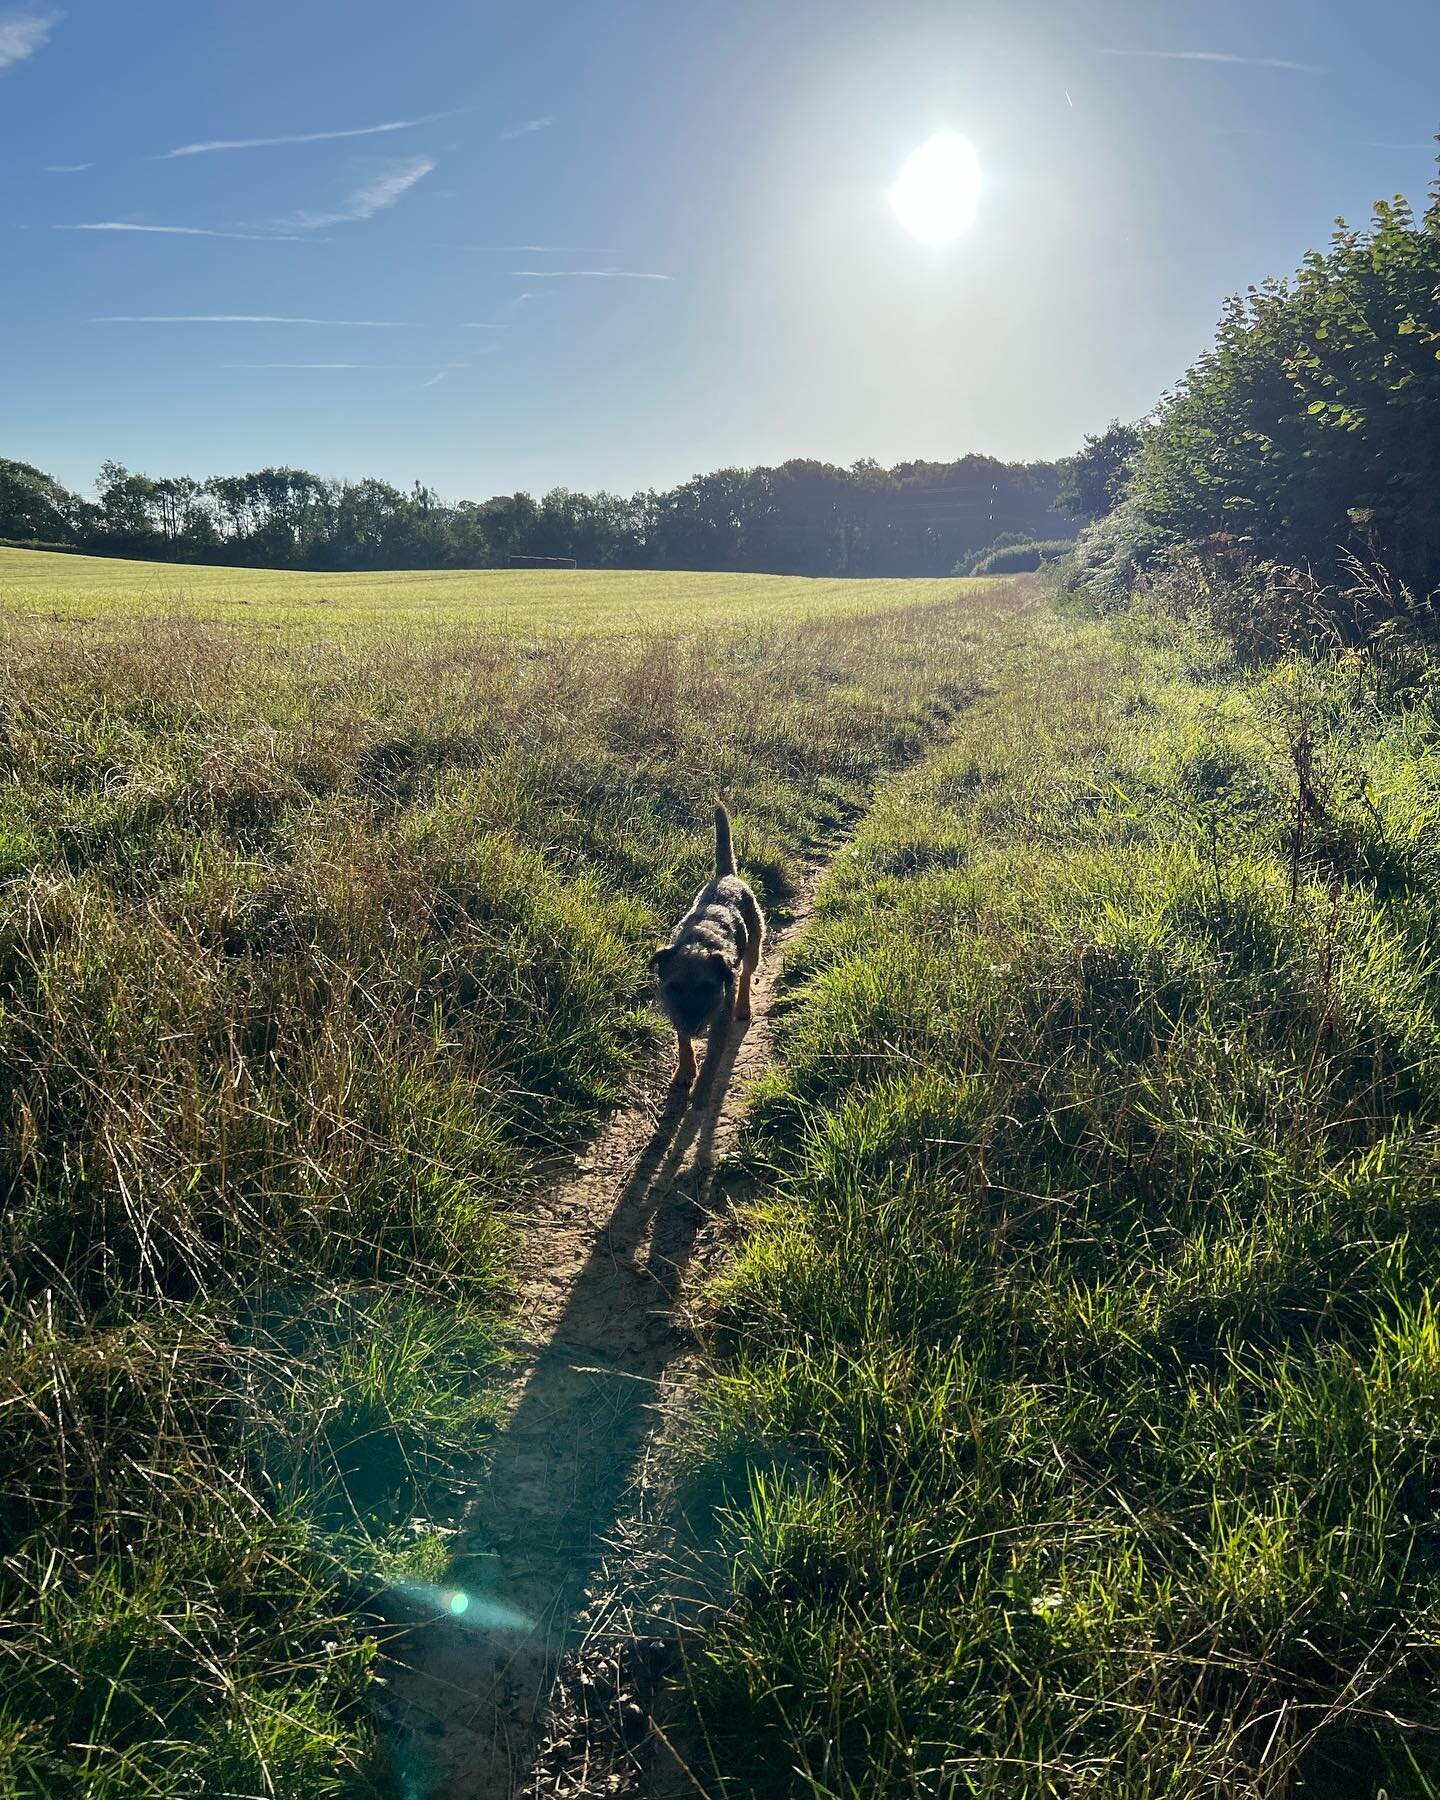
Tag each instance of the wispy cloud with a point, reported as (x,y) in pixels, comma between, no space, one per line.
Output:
(382,368)
(233,319)
(519,131)
(23,33)
(253,237)
(535,294)
(582,274)
(1221,56)
(528,249)
(387,188)
(382,190)
(67,168)
(298,137)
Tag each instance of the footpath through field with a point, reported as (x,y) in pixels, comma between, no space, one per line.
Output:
(533,1675)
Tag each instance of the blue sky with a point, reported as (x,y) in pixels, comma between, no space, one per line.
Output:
(611,245)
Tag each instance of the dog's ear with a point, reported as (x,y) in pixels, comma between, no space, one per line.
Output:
(663,953)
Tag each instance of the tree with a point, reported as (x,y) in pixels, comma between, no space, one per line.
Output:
(509,522)
(33,505)
(468,546)
(1094,478)
(130,516)
(804,517)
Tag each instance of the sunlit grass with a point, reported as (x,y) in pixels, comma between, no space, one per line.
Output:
(569,600)
(1077,1426)
(311,947)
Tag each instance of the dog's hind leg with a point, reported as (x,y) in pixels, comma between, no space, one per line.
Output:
(749,962)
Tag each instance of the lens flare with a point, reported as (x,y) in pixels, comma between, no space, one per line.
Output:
(936,193)
(478,1611)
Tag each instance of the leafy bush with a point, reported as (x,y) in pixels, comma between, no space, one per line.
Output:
(1312,428)
(1111,554)
(1002,542)
(1020,558)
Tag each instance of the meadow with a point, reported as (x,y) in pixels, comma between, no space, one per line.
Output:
(325,906)
(1073,1419)
(562,600)
(1070,1417)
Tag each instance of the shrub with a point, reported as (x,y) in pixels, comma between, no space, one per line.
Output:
(966,564)
(1312,427)
(1111,554)
(1021,558)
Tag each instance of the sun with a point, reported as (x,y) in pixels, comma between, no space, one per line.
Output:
(937,191)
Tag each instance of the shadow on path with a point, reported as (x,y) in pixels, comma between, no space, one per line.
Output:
(472,1682)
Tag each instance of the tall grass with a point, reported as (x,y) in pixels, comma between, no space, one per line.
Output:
(310,949)
(1077,1427)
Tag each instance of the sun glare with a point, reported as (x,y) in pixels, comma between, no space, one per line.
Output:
(936,193)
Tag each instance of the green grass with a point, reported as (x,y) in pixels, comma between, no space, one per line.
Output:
(532,600)
(1074,1426)
(1074,1419)
(312,944)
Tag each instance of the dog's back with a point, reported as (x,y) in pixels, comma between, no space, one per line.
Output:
(704,970)
(726,890)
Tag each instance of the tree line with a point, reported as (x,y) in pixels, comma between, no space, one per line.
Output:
(802,517)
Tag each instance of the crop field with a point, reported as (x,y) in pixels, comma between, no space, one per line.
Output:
(312,948)
(532,600)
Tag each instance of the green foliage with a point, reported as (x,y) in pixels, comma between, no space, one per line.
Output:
(314,943)
(1114,555)
(1021,557)
(1002,542)
(1311,428)
(1077,1428)
(1094,479)
(803,518)
(33,506)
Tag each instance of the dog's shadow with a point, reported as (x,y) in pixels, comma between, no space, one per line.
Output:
(662,1193)
(562,1467)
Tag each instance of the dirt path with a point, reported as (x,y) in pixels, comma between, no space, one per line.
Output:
(537,1682)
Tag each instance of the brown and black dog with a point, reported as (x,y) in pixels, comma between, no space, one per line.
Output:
(705,969)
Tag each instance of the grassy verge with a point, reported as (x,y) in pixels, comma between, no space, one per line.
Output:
(309,949)
(1079,1431)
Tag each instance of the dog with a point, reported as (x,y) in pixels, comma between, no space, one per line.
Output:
(704,971)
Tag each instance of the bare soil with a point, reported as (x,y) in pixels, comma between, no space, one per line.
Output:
(545,1685)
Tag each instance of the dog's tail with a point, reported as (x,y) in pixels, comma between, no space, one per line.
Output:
(724,846)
